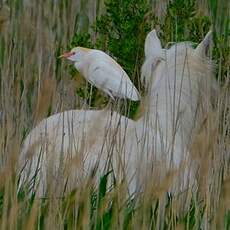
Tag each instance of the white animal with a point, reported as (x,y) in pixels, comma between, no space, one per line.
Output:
(64,149)
(103,72)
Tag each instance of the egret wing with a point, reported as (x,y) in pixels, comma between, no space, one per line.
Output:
(112,79)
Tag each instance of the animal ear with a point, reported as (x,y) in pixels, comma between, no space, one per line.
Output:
(203,48)
(152,45)
(153,54)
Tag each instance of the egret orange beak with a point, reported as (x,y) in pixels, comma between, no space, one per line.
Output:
(66,55)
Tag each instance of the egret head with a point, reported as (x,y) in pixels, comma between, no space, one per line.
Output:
(76,54)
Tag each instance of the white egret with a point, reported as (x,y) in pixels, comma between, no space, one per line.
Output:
(103,72)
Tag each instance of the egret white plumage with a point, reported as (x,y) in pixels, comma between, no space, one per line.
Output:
(103,72)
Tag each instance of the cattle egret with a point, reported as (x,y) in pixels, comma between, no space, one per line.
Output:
(103,72)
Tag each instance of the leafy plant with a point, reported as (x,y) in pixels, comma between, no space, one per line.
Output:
(183,23)
(122,31)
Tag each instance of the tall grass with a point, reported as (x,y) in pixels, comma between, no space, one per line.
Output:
(35,84)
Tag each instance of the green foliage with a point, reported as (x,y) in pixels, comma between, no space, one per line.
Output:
(81,40)
(221,27)
(182,22)
(122,31)
(105,220)
(221,52)
(227,220)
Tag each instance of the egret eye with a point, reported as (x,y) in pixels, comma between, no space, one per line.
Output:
(73,53)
